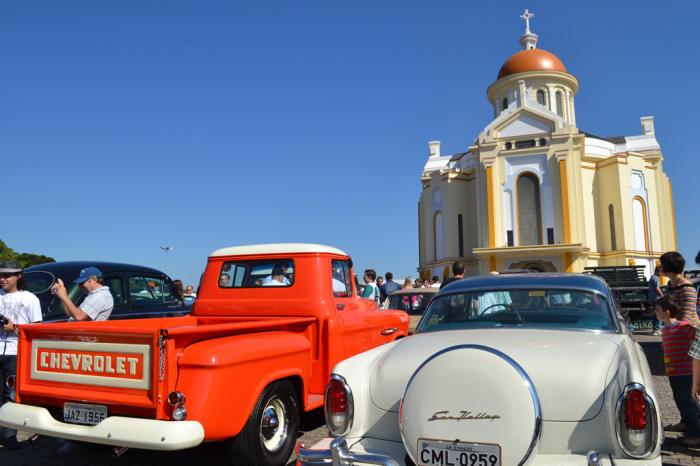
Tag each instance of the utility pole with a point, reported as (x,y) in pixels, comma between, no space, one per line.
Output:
(166,249)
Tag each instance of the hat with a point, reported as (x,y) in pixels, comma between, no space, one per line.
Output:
(86,273)
(11,266)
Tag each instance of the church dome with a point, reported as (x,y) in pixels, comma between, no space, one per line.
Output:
(531,60)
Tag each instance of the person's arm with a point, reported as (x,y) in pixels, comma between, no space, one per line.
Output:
(71,309)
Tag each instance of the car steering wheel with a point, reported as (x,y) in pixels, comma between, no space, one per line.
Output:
(507,308)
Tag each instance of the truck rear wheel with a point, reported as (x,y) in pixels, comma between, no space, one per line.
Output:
(269,436)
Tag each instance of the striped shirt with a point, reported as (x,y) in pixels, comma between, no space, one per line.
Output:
(686,299)
(675,339)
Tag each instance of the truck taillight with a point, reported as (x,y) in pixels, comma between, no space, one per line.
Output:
(636,423)
(635,410)
(339,406)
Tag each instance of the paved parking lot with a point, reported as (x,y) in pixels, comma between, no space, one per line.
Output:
(41,453)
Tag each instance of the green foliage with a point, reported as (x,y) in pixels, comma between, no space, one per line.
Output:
(27,259)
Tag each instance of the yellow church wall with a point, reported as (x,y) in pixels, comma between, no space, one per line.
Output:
(606,185)
(590,209)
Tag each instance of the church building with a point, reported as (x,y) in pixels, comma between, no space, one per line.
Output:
(536,192)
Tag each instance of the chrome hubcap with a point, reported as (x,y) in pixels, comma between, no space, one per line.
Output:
(274,425)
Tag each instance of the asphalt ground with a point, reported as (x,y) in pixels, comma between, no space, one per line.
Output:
(41,452)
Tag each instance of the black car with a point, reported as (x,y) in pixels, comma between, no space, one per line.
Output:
(138,291)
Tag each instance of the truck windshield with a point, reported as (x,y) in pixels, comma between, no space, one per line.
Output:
(253,274)
(526,308)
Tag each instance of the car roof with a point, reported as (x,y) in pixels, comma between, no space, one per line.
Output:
(530,280)
(75,266)
(276,248)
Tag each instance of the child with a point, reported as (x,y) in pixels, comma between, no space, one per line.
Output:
(676,336)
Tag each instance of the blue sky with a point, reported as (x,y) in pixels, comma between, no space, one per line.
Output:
(129,125)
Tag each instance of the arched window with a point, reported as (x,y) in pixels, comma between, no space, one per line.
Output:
(560,104)
(505,103)
(641,229)
(438,247)
(529,210)
(540,97)
(460,235)
(613,239)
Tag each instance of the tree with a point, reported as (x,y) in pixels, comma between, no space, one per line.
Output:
(6,252)
(26,259)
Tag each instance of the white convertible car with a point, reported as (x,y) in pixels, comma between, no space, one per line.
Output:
(532,369)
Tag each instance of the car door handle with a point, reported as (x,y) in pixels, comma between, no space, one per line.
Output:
(388,331)
(340,307)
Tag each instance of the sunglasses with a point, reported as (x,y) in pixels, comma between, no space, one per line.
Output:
(8,275)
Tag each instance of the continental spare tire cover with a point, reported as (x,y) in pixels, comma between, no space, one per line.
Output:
(472,394)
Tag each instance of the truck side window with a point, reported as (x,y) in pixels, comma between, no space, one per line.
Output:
(341,278)
(253,274)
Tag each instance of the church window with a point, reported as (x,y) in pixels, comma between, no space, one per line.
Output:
(505,103)
(639,214)
(460,235)
(509,145)
(529,210)
(540,97)
(438,246)
(613,239)
(542,142)
(560,104)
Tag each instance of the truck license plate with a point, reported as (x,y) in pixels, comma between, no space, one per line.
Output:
(78,413)
(443,453)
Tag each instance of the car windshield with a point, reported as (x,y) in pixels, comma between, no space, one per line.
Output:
(525,308)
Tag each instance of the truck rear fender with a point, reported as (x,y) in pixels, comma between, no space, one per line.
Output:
(223,378)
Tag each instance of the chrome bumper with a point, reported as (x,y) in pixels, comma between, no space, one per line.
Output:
(118,431)
(340,455)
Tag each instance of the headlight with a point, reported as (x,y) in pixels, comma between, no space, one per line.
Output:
(339,406)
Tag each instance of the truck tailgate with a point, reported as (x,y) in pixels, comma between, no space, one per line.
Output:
(91,364)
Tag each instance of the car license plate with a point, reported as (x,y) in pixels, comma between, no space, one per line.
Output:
(78,413)
(443,453)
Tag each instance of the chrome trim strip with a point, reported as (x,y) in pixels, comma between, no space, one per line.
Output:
(339,455)
(351,405)
(518,368)
(653,421)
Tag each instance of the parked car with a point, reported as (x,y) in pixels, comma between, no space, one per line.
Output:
(532,369)
(413,301)
(137,291)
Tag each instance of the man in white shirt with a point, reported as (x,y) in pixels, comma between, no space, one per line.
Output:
(98,303)
(17,307)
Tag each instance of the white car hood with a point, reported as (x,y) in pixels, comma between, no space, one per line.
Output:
(567,368)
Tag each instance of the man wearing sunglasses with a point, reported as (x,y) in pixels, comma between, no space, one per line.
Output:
(17,307)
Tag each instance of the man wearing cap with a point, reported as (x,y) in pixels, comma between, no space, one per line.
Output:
(98,303)
(17,307)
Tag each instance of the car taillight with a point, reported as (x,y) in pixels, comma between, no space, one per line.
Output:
(339,406)
(636,410)
(636,423)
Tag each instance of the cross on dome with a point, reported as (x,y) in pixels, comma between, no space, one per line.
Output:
(526,16)
(528,41)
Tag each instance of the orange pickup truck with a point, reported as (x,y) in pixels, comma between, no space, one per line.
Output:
(268,325)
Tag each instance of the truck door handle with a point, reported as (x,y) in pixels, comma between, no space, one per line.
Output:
(388,331)
(340,307)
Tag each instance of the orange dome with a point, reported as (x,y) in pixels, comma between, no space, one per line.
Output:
(531,60)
